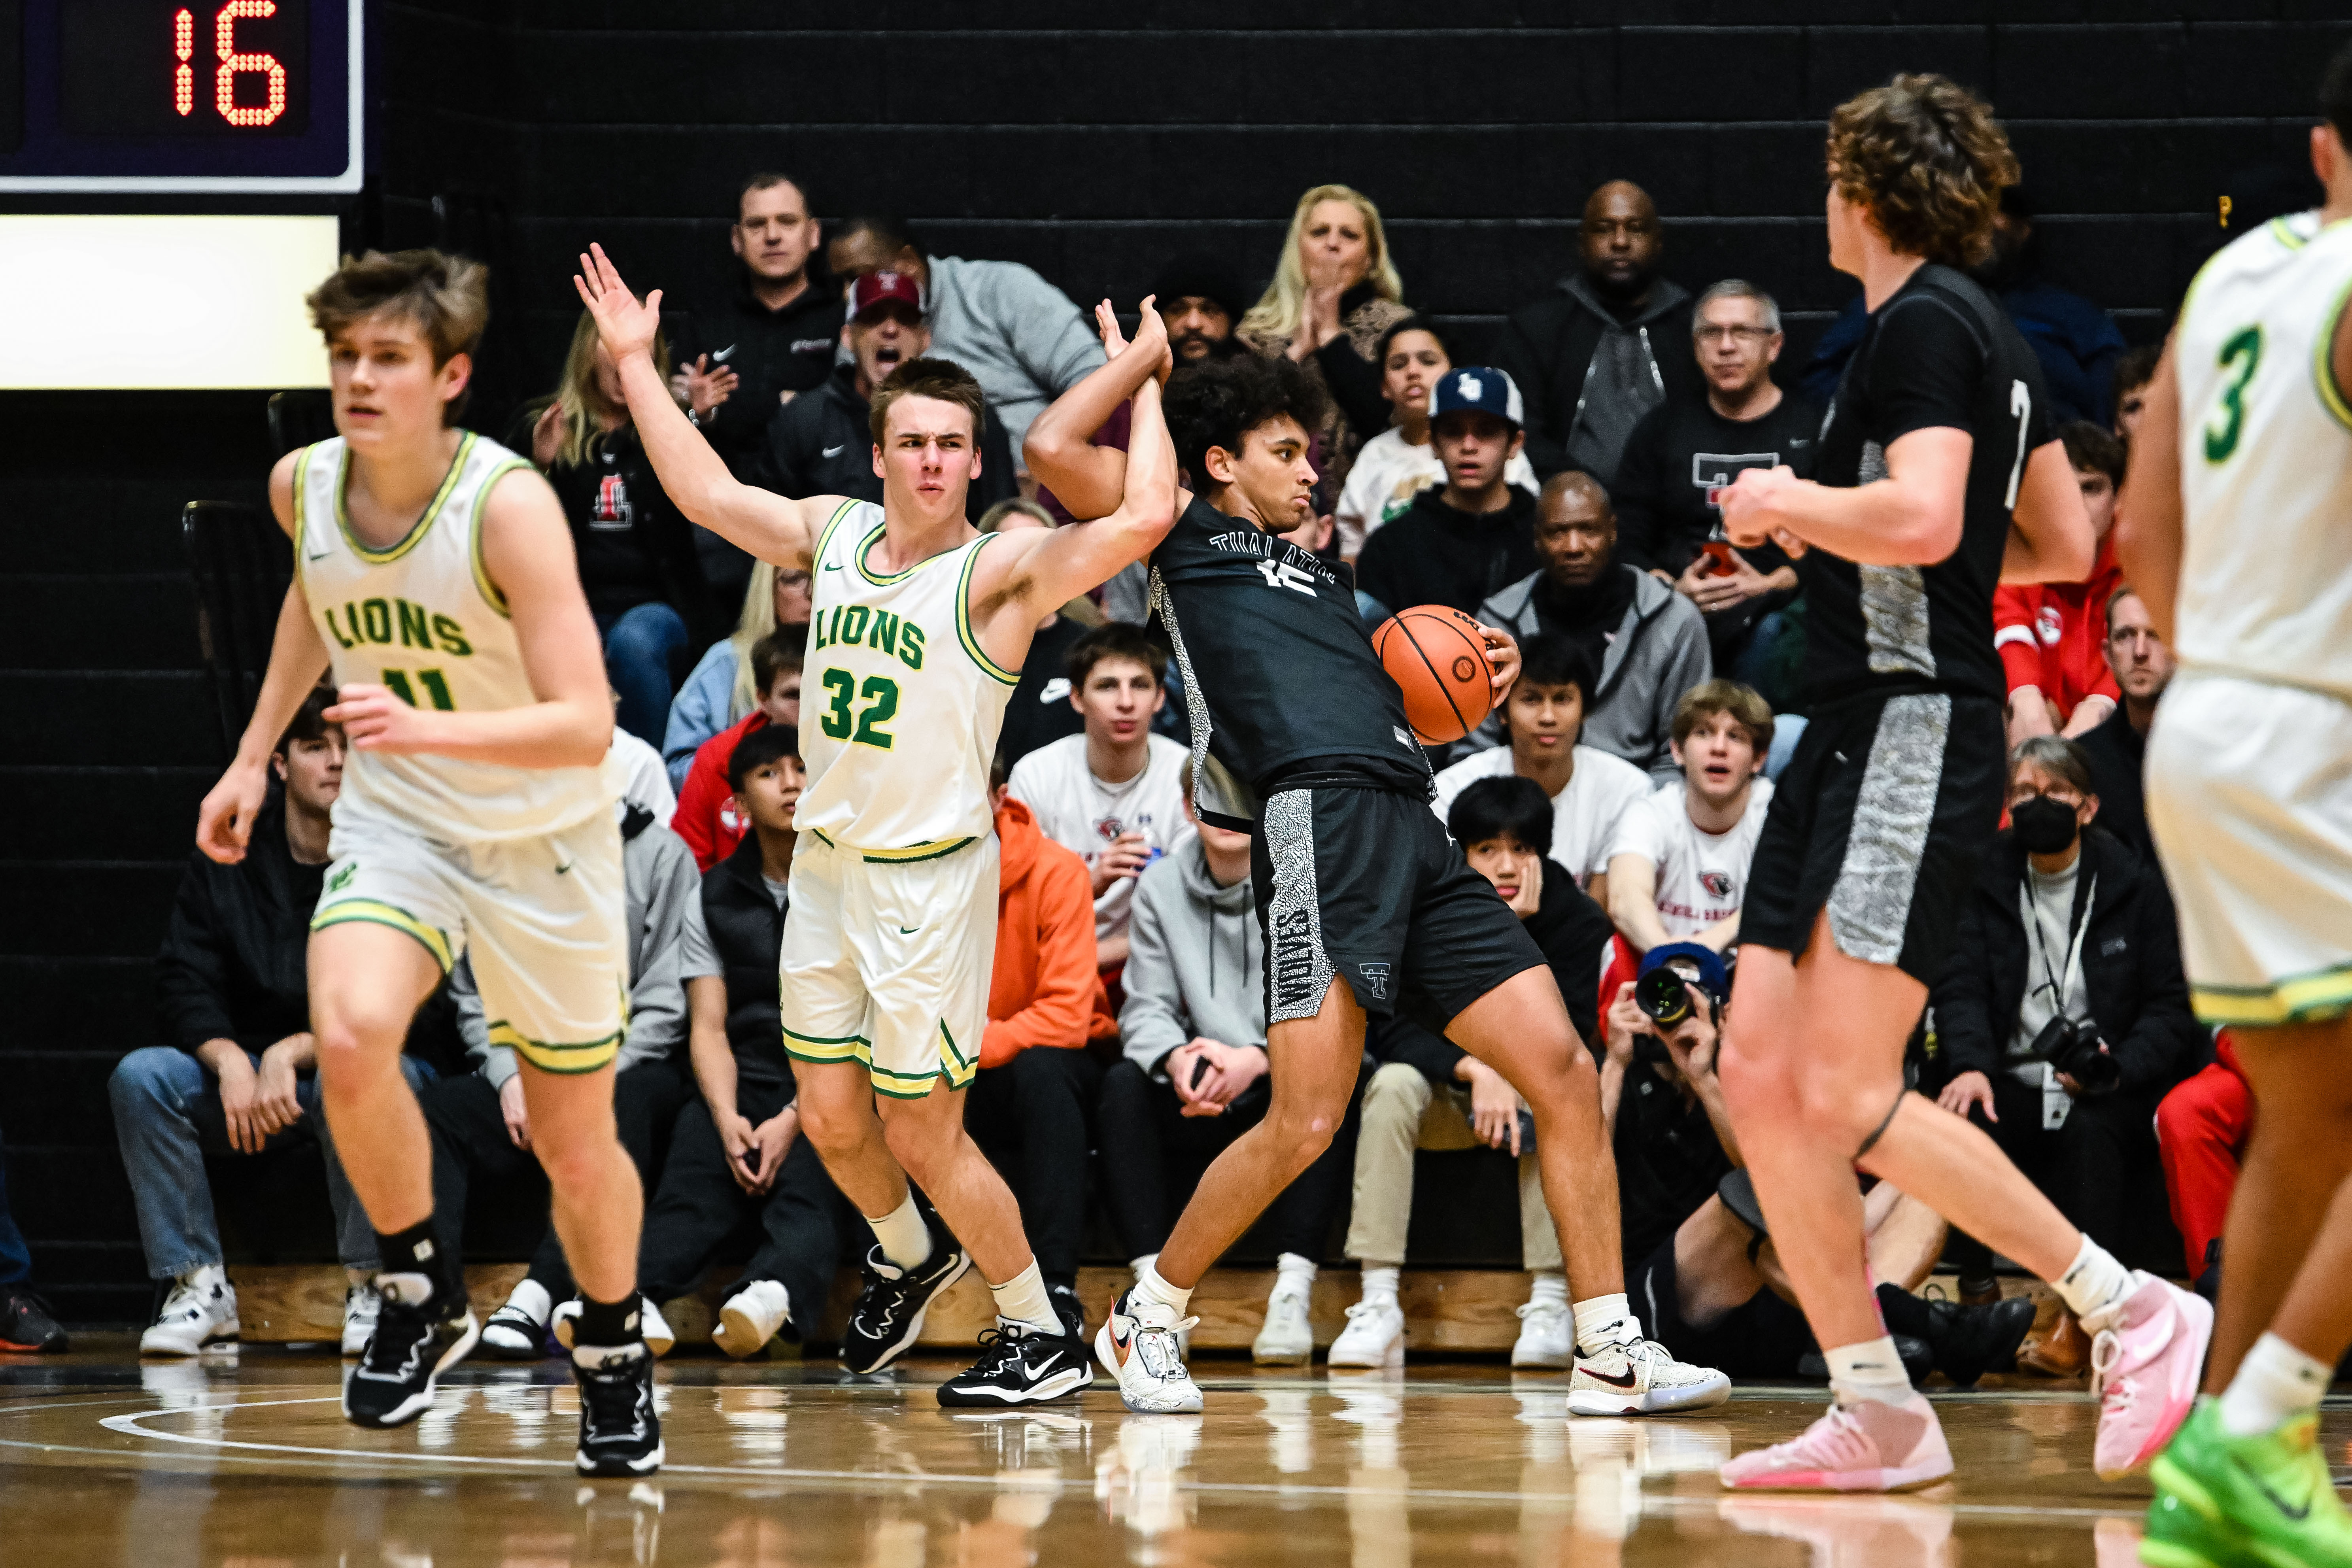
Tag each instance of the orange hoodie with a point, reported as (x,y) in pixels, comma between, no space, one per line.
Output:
(1045,990)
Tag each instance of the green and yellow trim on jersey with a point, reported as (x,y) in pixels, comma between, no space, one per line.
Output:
(417,530)
(375,911)
(825,534)
(972,647)
(2332,394)
(2311,998)
(567,1059)
(489,590)
(302,472)
(858,558)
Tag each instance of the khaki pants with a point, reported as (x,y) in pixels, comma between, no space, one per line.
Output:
(1404,1111)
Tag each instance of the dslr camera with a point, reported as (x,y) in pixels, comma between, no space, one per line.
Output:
(2073,1047)
(1661,988)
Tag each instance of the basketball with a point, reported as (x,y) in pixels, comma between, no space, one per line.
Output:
(1438,658)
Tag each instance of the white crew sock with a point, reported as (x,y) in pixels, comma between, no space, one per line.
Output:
(1142,1263)
(2095,1279)
(1022,1300)
(1150,1287)
(1602,1321)
(1871,1370)
(1294,1272)
(906,1239)
(1550,1286)
(531,1300)
(2274,1382)
(1380,1282)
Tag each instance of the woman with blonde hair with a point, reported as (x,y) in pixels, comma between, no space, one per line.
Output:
(1335,292)
(721,692)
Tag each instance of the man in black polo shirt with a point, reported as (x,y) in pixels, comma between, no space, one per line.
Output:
(2142,667)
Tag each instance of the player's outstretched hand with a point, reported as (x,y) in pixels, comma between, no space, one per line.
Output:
(1107,324)
(627,326)
(1151,337)
(1502,653)
(225,820)
(374,719)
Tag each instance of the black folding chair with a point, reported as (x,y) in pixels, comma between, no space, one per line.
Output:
(299,418)
(241,561)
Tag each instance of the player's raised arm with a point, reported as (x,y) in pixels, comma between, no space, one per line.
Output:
(1088,479)
(2050,537)
(777,529)
(2148,515)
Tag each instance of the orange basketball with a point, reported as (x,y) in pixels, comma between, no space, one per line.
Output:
(1438,661)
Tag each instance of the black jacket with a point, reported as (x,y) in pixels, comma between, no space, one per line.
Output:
(231,965)
(1547,348)
(1432,553)
(822,445)
(1570,929)
(746,929)
(2131,968)
(772,353)
(2116,752)
(633,545)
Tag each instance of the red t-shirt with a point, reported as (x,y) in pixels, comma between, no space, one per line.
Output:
(706,815)
(2053,635)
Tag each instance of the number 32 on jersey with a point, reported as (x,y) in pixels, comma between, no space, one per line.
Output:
(843,720)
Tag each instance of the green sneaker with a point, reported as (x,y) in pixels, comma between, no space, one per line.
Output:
(2263,1502)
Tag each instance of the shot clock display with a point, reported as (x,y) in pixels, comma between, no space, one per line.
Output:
(180,95)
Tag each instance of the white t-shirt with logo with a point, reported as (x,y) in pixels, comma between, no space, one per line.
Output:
(1702,877)
(1080,812)
(1584,814)
(1388,473)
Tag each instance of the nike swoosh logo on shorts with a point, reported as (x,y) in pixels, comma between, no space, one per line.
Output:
(837,451)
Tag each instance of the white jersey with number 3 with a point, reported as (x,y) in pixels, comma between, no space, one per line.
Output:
(2266,459)
(899,707)
(422,616)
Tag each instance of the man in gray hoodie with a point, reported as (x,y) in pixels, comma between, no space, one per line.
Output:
(1606,346)
(1194,1073)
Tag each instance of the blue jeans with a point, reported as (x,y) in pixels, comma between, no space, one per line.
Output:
(168,1116)
(16,1262)
(637,645)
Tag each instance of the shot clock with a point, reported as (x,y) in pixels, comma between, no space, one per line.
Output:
(256,96)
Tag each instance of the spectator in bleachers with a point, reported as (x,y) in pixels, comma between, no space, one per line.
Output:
(2142,666)
(1678,869)
(237,1073)
(26,1327)
(1588,789)
(722,690)
(2053,636)
(2201,1127)
(1428,1093)
(2064,931)
(1688,448)
(1040,710)
(645,783)
(1193,1074)
(1335,292)
(2134,371)
(1031,1104)
(1115,793)
(1648,642)
(1605,347)
(1201,302)
(706,816)
(737,1151)
(823,443)
(481,1124)
(1021,336)
(1463,543)
(637,552)
(1401,462)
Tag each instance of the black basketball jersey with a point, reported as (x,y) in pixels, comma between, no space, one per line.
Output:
(1938,353)
(1280,680)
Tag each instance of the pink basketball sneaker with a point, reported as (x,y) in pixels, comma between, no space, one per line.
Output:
(2145,1359)
(1867,1447)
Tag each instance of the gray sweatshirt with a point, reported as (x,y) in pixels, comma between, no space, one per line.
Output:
(1196,962)
(1658,652)
(658,871)
(1019,334)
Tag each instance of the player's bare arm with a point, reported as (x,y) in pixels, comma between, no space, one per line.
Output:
(2148,515)
(1088,479)
(298,657)
(1911,518)
(527,553)
(2050,538)
(774,528)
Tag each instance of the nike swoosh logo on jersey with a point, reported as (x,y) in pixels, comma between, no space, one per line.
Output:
(833,565)
(1628,1381)
(837,451)
(320,557)
(559,870)
(908,931)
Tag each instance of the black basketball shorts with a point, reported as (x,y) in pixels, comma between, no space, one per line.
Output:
(1882,819)
(1364,884)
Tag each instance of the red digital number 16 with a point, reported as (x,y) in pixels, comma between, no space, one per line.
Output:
(184,77)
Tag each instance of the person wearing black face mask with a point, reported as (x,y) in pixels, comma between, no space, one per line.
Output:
(2065,923)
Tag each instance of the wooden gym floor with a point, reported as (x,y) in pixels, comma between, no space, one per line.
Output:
(241,1461)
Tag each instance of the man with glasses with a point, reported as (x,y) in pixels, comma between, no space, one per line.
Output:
(1688,447)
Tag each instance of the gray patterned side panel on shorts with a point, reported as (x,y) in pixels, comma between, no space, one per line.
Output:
(1871,905)
(1299,972)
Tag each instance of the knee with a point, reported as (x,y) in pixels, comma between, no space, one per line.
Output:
(1396,1097)
(1301,1133)
(144,1078)
(1126,1089)
(1847,1110)
(576,1161)
(832,1129)
(1754,1078)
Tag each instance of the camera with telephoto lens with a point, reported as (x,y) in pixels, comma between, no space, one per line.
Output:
(1664,994)
(1662,989)
(2072,1049)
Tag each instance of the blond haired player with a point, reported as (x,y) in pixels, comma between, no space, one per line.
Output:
(919,624)
(434,576)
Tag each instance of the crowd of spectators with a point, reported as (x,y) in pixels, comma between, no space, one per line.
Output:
(1566,493)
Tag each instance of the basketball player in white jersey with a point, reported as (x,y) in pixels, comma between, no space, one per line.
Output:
(2237,534)
(433,577)
(920,625)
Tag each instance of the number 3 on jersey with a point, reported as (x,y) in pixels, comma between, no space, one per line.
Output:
(2244,351)
(881,695)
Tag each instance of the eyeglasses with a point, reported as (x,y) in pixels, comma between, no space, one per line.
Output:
(1744,334)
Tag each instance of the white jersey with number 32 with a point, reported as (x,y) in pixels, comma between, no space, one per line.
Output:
(2266,459)
(422,616)
(899,707)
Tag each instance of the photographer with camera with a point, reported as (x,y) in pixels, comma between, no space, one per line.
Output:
(2065,1017)
(1697,1249)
